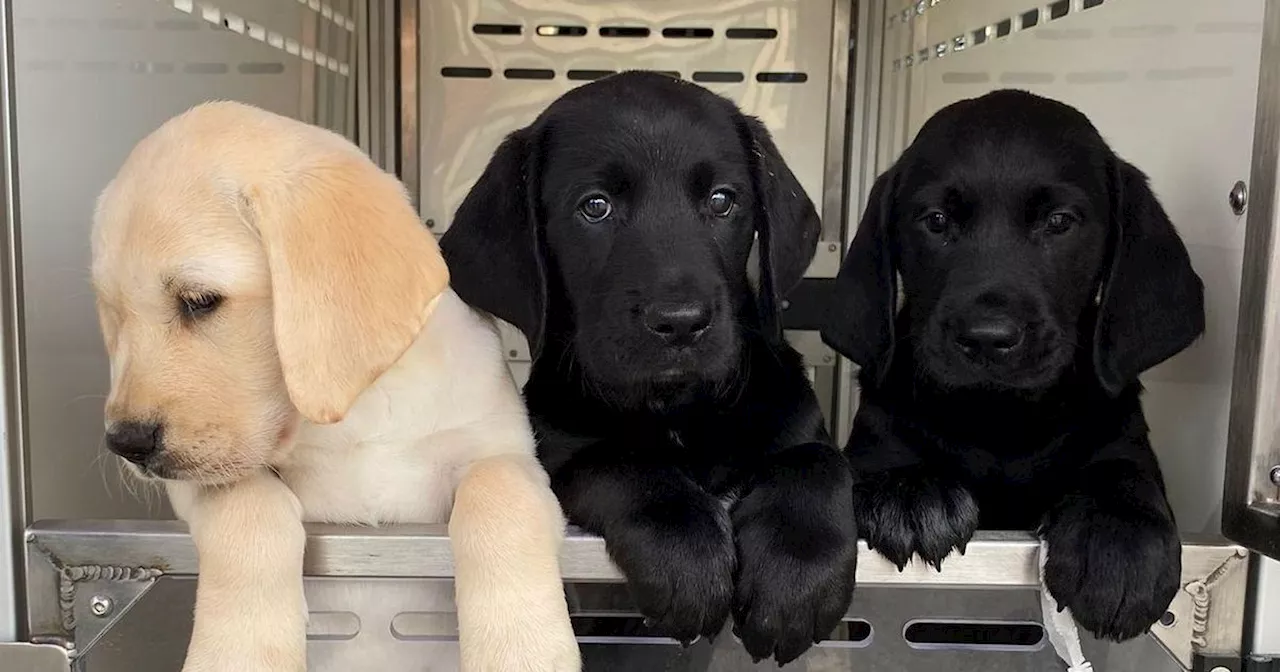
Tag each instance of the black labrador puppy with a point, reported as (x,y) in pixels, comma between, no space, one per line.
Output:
(1039,277)
(615,231)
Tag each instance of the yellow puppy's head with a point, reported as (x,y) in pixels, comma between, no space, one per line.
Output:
(250,271)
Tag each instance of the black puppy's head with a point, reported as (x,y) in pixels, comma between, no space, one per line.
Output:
(1021,240)
(619,225)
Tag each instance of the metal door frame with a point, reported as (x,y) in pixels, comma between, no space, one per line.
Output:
(1251,497)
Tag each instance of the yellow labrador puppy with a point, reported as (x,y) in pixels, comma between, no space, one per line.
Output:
(284,347)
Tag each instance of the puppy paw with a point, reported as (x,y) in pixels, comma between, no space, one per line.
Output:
(909,512)
(681,576)
(1117,569)
(786,601)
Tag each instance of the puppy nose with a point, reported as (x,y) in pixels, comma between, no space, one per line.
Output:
(994,336)
(134,441)
(675,322)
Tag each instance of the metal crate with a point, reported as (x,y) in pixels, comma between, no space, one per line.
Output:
(429,87)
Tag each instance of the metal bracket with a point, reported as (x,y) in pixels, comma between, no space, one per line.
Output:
(101,597)
(1185,629)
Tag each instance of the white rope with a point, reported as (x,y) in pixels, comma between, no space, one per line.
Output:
(1063,633)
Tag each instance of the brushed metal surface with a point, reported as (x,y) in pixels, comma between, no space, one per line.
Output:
(1266,604)
(23,657)
(463,119)
(992,560)
(1251,498)
(15,496)
(378,627)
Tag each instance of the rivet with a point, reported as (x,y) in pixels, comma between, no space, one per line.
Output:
(101,606)
(1168,619)
(431,223)
(1238,199)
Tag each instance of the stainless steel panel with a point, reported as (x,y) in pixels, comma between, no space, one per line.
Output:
(370,598)
(369,626)
(1172,86)
(14,496)
(22,657)
(92,78)
(1252,507)
(1266,605)
(463,119)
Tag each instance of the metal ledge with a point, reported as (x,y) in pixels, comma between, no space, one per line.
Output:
(992,560)
(122,559)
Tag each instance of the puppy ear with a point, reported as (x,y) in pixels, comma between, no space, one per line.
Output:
(1152,303)
(354,275)
(787,225)
(864,303)
(493,246)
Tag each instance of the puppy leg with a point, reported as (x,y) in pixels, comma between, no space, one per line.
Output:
(903,506)
(797,550)
(250,613)
(506,529)
(1115,557)
(672,540)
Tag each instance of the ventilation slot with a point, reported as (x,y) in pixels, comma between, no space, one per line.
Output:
(1090,4)
(610,628)
(587,75)
(974,635)
(466,73)
(851,632)
(718,77)
(1004,28)
(497,29)
(624,31)
(1059,9)
(751,33)
(529,73)
(561,31)
(688,33)
(670,73)
(979,36)
(782,77)
(1030,18)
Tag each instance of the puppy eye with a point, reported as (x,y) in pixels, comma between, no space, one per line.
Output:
(595,208)
(199,305)
(721,202)
(936,221)
(1059,223)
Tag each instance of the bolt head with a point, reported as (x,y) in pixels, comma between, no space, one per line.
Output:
(1275,475)
(100,605)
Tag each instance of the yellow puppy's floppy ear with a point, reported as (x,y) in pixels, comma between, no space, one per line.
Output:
(354,274)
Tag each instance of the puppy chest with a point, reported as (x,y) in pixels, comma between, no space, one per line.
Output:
(369,484)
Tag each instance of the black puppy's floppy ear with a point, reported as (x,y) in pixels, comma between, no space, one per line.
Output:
(787,225)
(859,322)
(1152,304)
(492,247)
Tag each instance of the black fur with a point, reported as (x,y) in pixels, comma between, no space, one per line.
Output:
(1039,276)
(646,424)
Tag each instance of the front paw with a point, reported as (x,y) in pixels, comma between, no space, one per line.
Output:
(792,593)
(1116,568)
(909,511)
(681,576)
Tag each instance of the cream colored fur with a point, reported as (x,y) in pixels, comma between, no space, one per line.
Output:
(338,379)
